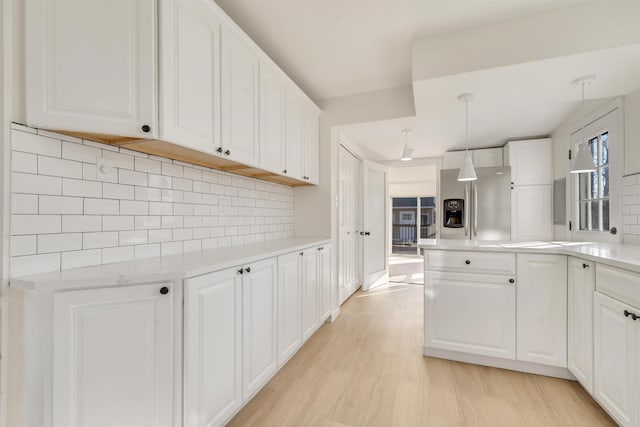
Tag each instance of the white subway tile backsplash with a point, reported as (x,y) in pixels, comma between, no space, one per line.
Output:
(100,240)
(117,222)
(148,165)
(48,243)
(117,191)
(24,204)
(34,224)
(59,167)
(101,206)
(81,188)
(22,245)
(36,144)
(77,259)
(81,223)
(631,208)
(35,184)
(24,162)
(134,207)
(63,217)
(60,205)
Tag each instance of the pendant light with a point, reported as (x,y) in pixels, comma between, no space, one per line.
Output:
(467,171)
(406,151)
(583,161)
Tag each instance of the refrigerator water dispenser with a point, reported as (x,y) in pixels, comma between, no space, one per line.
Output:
(453,213)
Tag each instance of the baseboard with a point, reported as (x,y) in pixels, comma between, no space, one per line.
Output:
(334,315)
(512,365)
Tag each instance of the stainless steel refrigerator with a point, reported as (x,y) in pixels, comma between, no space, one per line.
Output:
(476,210)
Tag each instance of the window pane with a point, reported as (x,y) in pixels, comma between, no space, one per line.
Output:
(583,215)
(593,147)
(583,186)
(593,177)
(595,216)
(605,215)
(604,140)
(604,181)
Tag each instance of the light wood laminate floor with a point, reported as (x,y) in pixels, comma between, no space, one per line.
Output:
(367,369)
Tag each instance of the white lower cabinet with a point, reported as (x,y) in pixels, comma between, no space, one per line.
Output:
(289,305)
(324,278)
(212,347)
(472,313)
(259,324)
(581,285)
(310,289)
(616,354)
(113,361)
(542,309)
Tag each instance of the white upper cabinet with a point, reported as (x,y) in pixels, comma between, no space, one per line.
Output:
(311,147)
(190,74)
(240,80)
(272,128)
(530,161)
(113,359)
(542,309)
(91,66)
(294,148)
(531,212)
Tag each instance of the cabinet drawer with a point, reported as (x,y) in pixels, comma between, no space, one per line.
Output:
(620,284)
(470,262)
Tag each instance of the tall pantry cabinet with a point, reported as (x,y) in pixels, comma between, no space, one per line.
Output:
(531,194)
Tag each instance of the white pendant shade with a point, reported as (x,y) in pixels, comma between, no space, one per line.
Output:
(583,161)
(467,171)
(406,153)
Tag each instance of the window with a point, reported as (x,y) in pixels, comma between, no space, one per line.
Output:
(593,187)
(596,203)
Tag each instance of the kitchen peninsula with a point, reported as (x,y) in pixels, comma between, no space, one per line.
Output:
(563,309)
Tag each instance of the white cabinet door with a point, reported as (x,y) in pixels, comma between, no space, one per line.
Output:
(542,309)
(530,162)
(325,278)
(190,77)
(289,306)
(113,357)
(272,108)
(487,157)
(615,360)
(531,215)
(240,120)
(309,292)
(472,313)
(259,325)
(294,160)
(581,286)
(91,66)
(311,148)
(212,347)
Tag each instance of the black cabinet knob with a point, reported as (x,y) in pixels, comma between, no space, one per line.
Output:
(613,230)
(634,316)
(512,281)
(284,171)
(146,128)
(248,269)
(164,290)
(241,271)
(227,152)
(367,233)
(584,265)
(468,261)
(301,253)
(219,149)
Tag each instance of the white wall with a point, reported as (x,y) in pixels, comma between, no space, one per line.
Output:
(632,132)
(413,181)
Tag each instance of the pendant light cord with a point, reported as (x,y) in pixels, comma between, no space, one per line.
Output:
(466,125)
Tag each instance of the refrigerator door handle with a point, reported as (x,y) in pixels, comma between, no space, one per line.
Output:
(466,209)
(475,209)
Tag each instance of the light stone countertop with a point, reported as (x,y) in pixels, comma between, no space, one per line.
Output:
(163,268)
(617,255)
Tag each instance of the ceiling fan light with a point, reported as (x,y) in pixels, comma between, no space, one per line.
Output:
(406,153)
(467,171)
(583,161)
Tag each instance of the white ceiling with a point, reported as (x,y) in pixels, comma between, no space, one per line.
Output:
(334,48)
(513,102)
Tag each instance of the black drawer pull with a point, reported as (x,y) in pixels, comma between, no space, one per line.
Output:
(248,269)
(585,265)
(634,316)
(241,271)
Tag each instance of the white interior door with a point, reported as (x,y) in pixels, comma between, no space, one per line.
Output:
(375,214)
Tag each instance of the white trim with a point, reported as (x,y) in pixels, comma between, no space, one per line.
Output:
(512,365)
